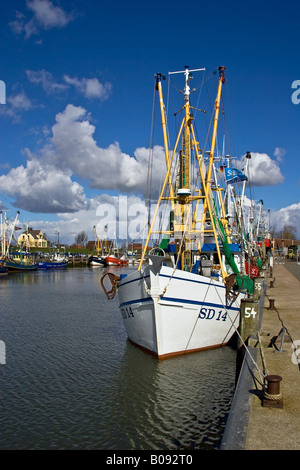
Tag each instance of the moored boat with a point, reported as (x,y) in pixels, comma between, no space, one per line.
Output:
(188,296)
(114,261)
(56,261)
(45,265)
(95,260)
(3,270)
(20,261)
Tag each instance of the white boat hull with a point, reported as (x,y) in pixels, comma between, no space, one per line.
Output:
(171,313)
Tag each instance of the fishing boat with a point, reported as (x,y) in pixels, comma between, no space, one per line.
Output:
(95,260)
(187,298)
(114,261)
(98,259)
(55,262)
(20,261)
(3,270)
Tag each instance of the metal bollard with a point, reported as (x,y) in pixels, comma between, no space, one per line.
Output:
(272,396)
(271,304)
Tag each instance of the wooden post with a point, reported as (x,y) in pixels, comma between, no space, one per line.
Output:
(249,323)
(249,319)
(258,287)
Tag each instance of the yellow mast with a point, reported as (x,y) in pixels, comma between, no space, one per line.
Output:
(159,76)
(184,220)
(208,202)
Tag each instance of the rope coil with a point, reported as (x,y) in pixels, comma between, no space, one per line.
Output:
(274,397)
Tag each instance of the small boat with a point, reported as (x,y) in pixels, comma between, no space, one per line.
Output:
(114,261)
(55,263)
(187,298)
(97,261)
(20,262)
(3,270)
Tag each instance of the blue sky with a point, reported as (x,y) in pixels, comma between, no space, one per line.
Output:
(79,75)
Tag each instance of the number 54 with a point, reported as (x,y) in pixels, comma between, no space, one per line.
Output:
(250,311)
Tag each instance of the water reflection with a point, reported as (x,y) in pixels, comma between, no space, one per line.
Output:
(180,403)
(73,381)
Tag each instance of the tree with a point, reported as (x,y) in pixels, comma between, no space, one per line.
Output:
(288,232)
(81,238)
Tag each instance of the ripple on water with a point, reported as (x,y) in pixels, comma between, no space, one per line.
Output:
(73,381)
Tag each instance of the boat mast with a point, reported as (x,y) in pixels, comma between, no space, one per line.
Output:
(158,86)
(222,80)
(183,216)
(184,220)
(208,200)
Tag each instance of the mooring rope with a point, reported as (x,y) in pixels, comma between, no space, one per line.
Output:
(283,326)
(261,374)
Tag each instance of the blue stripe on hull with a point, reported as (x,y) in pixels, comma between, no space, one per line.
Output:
(52,265)
(123,283)
(184,301)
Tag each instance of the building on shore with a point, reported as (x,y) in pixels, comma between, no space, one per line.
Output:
(33,239)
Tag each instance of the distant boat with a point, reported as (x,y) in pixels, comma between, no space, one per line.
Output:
(56,261)
(114,261)
(45,265)
(101,248)
(20,261)
(3,270)
(97,261)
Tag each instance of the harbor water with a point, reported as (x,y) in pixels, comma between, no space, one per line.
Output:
(72,380)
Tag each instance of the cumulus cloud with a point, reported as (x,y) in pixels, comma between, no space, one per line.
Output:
(40,187)
(48,181)
(289,215)
(46,80)
(262,170)
(90,87)
(16,104)
(123,216)
(105,168)
(279,153)
(45,16)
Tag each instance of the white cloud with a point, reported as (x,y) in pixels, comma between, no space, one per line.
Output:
(40,187)
(46,80)
(45,184)
(90,87)
(16,104)
(279,153)
(121,216)
(20,101)
(106,168)
(262,170)
(289,215)
(45,16)
(48,15)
